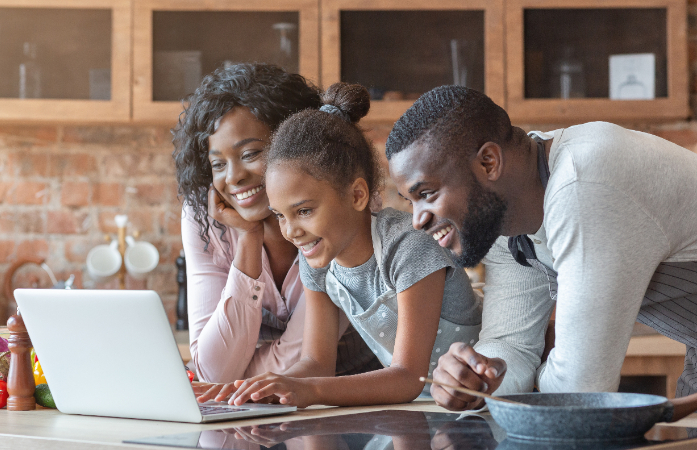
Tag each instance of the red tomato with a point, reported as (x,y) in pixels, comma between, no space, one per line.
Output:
(190,374)
(3,394)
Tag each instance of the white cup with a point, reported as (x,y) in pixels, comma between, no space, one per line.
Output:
(140,258)
(103,261)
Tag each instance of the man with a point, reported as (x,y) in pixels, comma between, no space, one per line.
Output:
(597,218)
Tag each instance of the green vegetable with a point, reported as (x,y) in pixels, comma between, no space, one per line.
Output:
(43,396)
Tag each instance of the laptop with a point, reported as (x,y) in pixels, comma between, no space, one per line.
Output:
(112,353)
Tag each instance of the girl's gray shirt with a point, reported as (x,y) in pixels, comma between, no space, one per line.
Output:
(408,256)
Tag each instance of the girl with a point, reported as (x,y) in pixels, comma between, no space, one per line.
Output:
(245,299)
(398,287)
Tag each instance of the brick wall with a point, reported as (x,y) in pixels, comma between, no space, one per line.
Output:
(62,185)
(60,189)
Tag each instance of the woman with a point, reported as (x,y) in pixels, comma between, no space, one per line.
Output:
(246,302)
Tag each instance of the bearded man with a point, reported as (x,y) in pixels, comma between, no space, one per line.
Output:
(599,219)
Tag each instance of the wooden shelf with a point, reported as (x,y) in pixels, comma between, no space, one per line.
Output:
(146,108)
(402,46)
(65,52)
(655,355)
(527,86)
(394,22)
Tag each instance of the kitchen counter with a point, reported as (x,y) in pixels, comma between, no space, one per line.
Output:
(50,429)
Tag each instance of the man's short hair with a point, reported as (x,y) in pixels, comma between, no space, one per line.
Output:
(455,119)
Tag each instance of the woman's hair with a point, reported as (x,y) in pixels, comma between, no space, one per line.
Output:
(327,143)
(268,91)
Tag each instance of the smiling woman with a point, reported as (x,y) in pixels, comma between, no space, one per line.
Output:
(246,301)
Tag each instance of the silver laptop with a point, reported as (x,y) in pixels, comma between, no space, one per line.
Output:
(112,353)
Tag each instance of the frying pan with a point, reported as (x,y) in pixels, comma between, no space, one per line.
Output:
(607,416)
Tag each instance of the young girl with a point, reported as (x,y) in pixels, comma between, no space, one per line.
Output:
(245,299)
(397,286)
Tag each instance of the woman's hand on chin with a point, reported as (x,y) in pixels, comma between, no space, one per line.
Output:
(272,388)
(223,212)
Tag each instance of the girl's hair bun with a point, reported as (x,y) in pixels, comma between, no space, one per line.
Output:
(352,99)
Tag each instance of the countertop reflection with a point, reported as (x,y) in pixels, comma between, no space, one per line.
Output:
(385,430)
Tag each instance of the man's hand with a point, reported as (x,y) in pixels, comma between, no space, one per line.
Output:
(223,212)
(462,366)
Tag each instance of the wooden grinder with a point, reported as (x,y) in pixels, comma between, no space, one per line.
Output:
(20,380)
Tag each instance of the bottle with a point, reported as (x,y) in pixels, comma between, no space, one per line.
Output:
(182,314)
(569,79)
(29,73)
(286,54)
(461,57)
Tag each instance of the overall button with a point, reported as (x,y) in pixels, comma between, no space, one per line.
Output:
(254,297)
(257,288)
(537,241)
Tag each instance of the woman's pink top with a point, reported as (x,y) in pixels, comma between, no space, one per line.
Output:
(227,308)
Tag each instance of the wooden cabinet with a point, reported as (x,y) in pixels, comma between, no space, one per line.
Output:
(542,60)
(65,60)
(581,60)
(400,49)
(176,42)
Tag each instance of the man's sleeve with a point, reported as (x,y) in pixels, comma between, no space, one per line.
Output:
(606,249)
(517,307)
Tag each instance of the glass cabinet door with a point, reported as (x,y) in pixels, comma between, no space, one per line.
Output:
(181,42)
(402,49)
(596,60)
(66,60)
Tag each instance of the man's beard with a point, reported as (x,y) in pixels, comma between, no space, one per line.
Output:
(481,225)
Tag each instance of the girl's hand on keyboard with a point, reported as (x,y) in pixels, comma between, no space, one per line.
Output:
(217,391)
(284,390)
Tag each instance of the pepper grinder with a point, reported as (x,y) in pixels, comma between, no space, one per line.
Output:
(182,314)
(20,380)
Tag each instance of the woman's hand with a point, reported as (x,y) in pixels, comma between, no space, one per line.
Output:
(223,212)
(284,390)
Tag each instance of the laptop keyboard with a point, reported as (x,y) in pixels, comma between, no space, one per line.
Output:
(208,410)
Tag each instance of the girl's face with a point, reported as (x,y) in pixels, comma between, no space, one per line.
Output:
(316,218)
(236,156)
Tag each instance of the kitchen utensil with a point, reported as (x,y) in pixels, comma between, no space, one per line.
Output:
(581,417)
(8,289)
(472,392)
(103,261)
(140,258)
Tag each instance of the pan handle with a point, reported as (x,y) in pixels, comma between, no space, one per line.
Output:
(682,407)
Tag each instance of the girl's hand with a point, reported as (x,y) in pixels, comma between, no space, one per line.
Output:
(216,391)
(223,212)
(287,390)
(267,435)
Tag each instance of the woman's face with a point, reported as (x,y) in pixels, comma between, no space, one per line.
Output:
(312,215)
(235,152)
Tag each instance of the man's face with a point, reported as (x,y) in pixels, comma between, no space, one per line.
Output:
(449,202)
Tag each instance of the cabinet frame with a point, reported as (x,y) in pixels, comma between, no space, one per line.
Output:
(391,111)
(145,109)
(674,106)
(118,109)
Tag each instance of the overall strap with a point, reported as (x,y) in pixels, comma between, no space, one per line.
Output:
(377,244)
(521,247)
